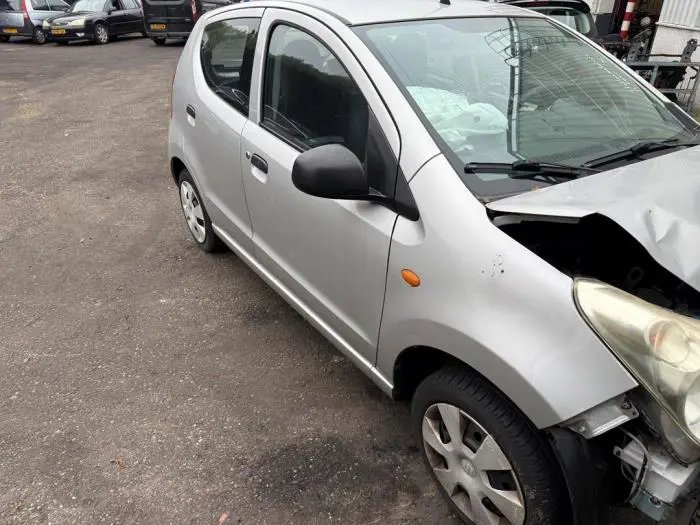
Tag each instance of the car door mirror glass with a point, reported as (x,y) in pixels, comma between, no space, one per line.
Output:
(331,171)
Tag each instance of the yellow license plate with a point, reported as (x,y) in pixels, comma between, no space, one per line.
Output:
(58,31)
(11,31)
(157,27)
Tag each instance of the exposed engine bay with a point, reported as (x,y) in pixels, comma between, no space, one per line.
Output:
(595,246)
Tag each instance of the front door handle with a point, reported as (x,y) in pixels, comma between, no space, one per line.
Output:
(190,111)
(258,162)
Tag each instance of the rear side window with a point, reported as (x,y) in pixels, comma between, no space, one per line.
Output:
(228,49)
(310,99)
(10,5)
(40,5)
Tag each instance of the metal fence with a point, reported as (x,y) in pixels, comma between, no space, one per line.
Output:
(677,80)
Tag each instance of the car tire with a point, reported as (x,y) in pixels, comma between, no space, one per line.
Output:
(144,34)
(158,40)
(4,38)
(498,447)
(101,35)
(38,36)
(196,215)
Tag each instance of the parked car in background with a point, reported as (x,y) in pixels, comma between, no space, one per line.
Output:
(487,215)
(574,13)
(24,18)
(175,18)
(98,21)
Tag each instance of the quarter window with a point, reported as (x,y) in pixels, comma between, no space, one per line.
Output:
(310,99)
(227,52)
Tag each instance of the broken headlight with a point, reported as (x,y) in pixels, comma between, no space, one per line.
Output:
(659,347)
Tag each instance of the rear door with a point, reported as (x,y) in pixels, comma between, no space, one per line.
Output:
(11,17)
(218,109)
(40,12)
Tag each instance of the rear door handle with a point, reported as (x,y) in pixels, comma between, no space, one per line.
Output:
(190,111)
(258,162)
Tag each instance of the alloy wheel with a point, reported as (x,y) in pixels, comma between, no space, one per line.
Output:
(471,467)
(101,34)
(194,213)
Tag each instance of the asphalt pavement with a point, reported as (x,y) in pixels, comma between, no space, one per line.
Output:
(141,380)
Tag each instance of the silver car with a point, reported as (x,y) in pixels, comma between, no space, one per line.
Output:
(484,211)
(24,18)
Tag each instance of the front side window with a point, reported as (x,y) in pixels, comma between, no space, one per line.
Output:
(309,97)
(227,52)
(500,90)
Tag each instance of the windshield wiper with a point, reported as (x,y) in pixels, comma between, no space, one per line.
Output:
(639,149)
(528,169)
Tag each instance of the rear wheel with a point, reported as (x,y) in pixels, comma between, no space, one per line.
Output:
(38,36)
(101,34)
(196,215)
(158,40)
(4,38)
(489,461)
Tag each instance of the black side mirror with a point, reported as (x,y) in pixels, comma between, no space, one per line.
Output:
(331,171)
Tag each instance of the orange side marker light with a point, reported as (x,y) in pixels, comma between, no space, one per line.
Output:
(411,278)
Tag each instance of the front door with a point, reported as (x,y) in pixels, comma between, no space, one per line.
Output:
(330,254)
(218,111)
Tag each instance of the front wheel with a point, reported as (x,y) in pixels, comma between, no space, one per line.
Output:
(158,40)
(101,34)
(489,461)
(38,36)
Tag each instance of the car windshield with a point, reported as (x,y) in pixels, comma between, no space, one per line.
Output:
(88,6)
(508,89)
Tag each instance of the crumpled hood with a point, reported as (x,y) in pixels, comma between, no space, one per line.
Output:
(657,201)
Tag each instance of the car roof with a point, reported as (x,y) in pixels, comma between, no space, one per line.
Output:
(360,12)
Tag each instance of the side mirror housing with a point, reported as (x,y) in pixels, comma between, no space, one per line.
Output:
(331,171)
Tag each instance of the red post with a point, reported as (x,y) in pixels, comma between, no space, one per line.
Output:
(627,20)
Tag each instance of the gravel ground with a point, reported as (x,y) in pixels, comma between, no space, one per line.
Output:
(143,381)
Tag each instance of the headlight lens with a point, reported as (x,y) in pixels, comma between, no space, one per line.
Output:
(80,22)
(45,24)
(659,347)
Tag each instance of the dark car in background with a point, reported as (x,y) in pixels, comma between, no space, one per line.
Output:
(24,18)
(175,18)
(98,21)
(574,13)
